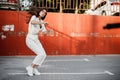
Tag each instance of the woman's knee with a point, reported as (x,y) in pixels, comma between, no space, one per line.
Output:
(42,55)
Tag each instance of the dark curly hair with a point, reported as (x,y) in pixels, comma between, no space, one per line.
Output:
(35,11)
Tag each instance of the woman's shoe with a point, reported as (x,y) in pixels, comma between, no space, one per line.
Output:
(36,72)
(29,70)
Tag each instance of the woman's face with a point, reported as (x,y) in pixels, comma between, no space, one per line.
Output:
(42,13)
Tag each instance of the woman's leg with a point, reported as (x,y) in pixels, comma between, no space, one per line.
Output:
(37,48)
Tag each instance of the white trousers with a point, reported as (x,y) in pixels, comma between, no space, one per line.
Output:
(37,48)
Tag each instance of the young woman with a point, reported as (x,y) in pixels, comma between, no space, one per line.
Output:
(36,25)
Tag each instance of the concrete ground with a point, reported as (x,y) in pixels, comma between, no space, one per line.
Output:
(87,67)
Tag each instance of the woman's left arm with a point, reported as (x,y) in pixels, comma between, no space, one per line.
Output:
(50,31)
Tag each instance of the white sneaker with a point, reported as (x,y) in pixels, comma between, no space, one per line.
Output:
(36,72)
(29,70)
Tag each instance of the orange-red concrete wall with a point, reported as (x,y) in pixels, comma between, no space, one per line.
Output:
(74,34)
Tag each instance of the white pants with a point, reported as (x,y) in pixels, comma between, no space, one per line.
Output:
(37,48)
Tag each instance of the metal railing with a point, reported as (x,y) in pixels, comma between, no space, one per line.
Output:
(74,6)
(62,5)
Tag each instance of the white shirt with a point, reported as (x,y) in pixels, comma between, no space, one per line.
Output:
(33,29)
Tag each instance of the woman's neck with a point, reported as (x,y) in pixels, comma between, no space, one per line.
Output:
(39,17)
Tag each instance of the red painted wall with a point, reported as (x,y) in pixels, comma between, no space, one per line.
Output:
(74,34)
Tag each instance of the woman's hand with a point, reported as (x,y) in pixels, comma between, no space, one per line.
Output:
(49,32)
(45,23)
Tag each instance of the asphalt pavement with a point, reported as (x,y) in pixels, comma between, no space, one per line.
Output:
(75,67)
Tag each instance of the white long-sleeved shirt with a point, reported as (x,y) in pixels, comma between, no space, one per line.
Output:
(33,29)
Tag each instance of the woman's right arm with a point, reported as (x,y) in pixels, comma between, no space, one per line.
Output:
(34,22)
(37,22)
